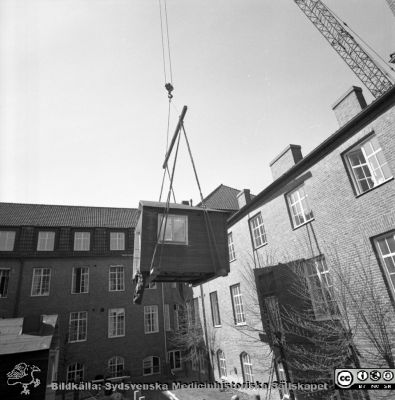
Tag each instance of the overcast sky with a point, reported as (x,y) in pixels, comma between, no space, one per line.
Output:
(83,110)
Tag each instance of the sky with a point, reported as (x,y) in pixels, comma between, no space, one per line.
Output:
(83,109)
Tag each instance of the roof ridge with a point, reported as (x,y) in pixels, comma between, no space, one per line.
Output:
(65,205)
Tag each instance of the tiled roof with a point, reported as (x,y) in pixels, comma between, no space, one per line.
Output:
(16,214)
(222,198)
(156,204)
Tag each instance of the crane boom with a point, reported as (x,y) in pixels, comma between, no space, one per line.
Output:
(346,46)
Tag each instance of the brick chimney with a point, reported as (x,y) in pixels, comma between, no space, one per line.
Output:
(291,155)
(243,198)
(349,105)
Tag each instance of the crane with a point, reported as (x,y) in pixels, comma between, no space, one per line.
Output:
(373,77)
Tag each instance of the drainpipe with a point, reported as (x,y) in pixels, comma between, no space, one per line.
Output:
(210,370)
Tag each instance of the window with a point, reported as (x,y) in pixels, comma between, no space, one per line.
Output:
(386,247)
(80,280)
(175,360)
(368,165)
(237,302)
(231,247)
(116,322)
(258,231)
(78,326)
(320,287)
(166,311)
(75,372)
(40,282)
(176,317)
(4,279)
(116,280)
(221,364)
(152,285)
(151,365)
(82,241)
(215,309)
(174,285)
(7,240)
(176,229)
(246,366)
(151,319)
(117,241)
(116,366)
(299,207)
(284,392)
(46,241)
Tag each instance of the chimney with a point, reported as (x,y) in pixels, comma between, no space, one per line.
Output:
(243,197)
(349,105)
(291,155)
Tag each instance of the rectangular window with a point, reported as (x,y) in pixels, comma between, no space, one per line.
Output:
(215,309)
(299,207)
(386,248)
(237,302)
(231,247)
(41,282)
(46,241)
(247,368)
(117,241)
(80,280)
(166,311)
(4,279)
(7,240)
(116,278)
(175,360)
(284,392)
(151,365)
(82,241)
(78,326)
(368,165)
(258,231)
(173,229)
(320,287)
(116,322)
(75,372)
(151,319)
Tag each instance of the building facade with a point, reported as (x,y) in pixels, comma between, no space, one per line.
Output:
(332,215)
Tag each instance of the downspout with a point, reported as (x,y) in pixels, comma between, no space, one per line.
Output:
(164,323)
(210,370)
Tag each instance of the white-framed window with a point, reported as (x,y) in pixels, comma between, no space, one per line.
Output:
(367,165)
(176,317)
(299,207)
(215,309)
(117,241)
(231,247)
(246,367)
(75,372)
(46,241)
(175,360)
(78,326)
(151,319)
(151,365)
(116,322)
(173,229)
(80,280)
(152,285)
(7,240)
(4,280)
(258,231)
(386,248)
(166,311)
(82,241)
(221,364)
(284,392)
(320,287)
(116,366)
(41,281)
(116,278)
(237,302)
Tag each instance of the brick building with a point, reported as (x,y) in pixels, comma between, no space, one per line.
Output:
(331,213)
(76,262)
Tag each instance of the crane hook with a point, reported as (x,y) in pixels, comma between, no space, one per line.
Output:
(169,87)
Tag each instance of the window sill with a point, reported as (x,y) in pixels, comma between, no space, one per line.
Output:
(304,223)
(230,261)
(375,187)
(217,326)
(78,341)
(150,333)
(241,324)
(39,295)
(114,337)
(262,245)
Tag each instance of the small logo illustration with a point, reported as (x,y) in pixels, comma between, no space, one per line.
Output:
(23,374)
(375,375)
(362,375)
(388,375)
(344,379)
